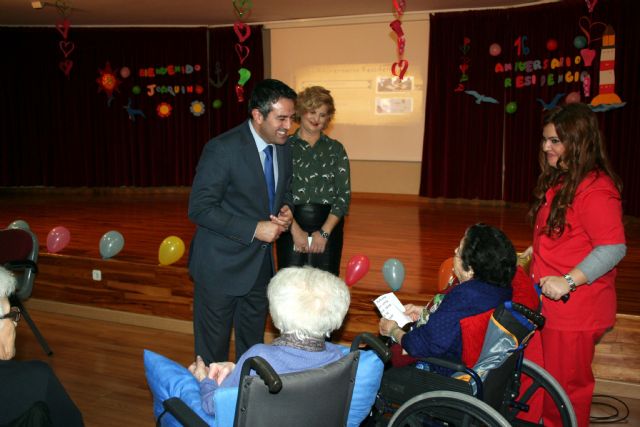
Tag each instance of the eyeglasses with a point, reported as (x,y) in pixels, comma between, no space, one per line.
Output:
(13,314)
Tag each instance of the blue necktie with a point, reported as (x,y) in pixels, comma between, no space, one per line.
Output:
(268,176)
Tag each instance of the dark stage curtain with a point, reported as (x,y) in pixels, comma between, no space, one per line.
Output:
(59,131)
(481,151)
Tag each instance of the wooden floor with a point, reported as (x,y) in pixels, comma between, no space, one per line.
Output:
(100,362)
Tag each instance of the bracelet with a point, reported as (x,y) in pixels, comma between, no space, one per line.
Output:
(571,282)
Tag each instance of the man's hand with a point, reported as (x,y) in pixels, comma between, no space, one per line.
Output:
(268,231)
(284,218)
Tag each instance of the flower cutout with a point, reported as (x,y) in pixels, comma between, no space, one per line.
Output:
(197,108)
(164,110)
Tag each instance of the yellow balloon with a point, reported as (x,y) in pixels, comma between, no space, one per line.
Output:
(171,250)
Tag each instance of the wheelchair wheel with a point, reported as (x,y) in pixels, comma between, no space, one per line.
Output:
(543,379)
(446,408)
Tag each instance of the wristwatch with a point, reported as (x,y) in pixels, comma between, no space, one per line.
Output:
(324,234)
(571,282)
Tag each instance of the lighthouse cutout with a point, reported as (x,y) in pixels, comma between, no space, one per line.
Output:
(607,84)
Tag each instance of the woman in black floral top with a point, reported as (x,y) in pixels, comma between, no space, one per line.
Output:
(321,188)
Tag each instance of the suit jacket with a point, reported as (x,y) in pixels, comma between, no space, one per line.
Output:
(228,198)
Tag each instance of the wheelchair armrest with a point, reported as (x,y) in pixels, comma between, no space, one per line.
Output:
(24,264)
(383,352)
(265,372)
(181,412)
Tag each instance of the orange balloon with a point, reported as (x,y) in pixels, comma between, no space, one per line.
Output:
(445,274)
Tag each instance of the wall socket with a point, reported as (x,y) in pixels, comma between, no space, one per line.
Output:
(97,275)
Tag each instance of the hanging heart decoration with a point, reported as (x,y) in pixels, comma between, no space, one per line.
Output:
(242,51)
(66,47)
(66,66)
(242,7)
(63,28)
(591,5)
(243,31)
(399,6)
(400,68)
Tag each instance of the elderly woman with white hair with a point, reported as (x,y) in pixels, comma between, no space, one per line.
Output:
(30,394)
(306,305)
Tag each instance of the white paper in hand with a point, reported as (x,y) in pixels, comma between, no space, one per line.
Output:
(391,308)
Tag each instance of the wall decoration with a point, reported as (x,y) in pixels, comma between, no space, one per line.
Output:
(464,64)
(607,83)
(133,112)
(164,110)
(197,108)
(554,101)
(108,82)
(481,98)
(219,81)
(66,46)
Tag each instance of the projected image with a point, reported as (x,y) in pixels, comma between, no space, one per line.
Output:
(394,105)
(394,84)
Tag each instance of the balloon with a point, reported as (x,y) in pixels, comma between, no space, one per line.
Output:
(57,239)
(579,42)
(552,44)
(19,223)
(572,98)
(245,75)
(136,90)
(111,243)
(393,272)
(125,72)
(511,107)
(171,250)
(495,49)
(217,103)
(357,268)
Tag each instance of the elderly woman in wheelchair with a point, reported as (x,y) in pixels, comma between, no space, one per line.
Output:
(306,376)
(468,346)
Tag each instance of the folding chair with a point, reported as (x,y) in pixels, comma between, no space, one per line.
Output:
(19,254)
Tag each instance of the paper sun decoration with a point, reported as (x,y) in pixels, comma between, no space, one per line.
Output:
(107,81)
(164,109)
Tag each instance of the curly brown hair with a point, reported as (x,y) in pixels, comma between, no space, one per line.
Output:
(312,98)
(578,131)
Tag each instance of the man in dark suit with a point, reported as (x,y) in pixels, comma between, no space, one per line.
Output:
(231,256)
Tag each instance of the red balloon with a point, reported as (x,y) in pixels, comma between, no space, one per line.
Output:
(552,44)
(57,239)
(357,268)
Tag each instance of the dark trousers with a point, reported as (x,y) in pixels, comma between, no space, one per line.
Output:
(22,383)
(214,313)
(311,217)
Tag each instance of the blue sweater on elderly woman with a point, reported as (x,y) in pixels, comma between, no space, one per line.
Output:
(441,336)
(283,360)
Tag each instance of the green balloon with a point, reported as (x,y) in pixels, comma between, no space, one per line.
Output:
(136,90)
(511,107)
(217,103)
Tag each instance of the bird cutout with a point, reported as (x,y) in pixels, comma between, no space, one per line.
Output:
(481,98)
(551,104)
(133,112)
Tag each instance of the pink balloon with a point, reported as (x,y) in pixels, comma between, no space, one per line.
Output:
(495,49)
(57,239)
(572,98)
(125,72)
(357,268)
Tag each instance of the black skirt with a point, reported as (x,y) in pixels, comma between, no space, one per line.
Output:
(311,217)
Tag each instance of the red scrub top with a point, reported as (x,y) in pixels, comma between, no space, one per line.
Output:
(594,219)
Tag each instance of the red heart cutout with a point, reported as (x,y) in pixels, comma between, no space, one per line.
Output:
(63,28)
(464,68)
(65,66)
(66,47)
(588,55)
(460,88)
(243,31)
(402,65)
(401,44)
(399,6)
(242,51)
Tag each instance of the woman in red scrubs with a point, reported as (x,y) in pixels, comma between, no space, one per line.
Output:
(578,240)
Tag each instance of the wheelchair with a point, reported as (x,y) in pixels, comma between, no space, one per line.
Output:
(489,394)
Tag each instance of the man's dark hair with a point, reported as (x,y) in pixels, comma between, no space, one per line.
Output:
(268,92)
(491,255)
